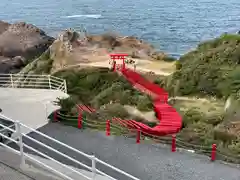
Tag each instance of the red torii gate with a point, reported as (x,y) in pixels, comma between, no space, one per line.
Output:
(120,57)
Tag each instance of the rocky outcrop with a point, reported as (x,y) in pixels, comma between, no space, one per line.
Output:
(11,65)
(73,49)
(3,26)
(18,42)
(118,44)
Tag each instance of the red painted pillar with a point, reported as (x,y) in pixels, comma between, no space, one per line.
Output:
(173,143)
(214,150)
(108,128)
(123,63)
(79,120)
(114,65)
(138,136)
(55,116)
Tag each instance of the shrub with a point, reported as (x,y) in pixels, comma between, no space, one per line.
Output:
(214,119)
(66,104)
(224,136)
(208,69)
(235,146)
(144,103)
(114,110)
(178,65)
(168,59)
(192,116)
(198,133)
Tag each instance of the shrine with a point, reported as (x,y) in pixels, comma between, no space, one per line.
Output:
(118,61)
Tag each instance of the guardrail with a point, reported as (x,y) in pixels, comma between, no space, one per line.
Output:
(33,81)
(117,126)
(19,136)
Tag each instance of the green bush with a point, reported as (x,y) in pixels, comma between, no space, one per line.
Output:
(144,103)
(192,116)
(224,136)
(198,133)
(231,84)
(114,110)
(178,65)
(214,119)
(101,86)
(208,69)
(235,146)
(67,104)
(168,59)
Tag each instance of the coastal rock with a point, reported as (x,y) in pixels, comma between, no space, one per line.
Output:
(11,65)
(18,42)
(22,39)
(72,48)
(130,45)
(3,26)
(76,49)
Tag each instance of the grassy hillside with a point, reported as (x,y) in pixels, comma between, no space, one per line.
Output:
(212,71)
(204,122)
(105,90)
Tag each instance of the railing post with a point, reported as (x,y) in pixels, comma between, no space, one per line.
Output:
(93,167)
(173,143)
(65,86)
(214,150)
(55,116)
(138,135)
(20,142)
(114,65)
(79,120)
(46,110)
(108,128)
(84,118)
(11,79)
(49,81)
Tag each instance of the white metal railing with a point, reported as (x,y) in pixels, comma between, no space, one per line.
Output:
(18,139)
(33,81)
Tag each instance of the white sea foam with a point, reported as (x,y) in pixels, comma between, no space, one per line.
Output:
(95,16)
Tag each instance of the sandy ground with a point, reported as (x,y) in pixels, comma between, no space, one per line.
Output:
(148,115)
(158,67)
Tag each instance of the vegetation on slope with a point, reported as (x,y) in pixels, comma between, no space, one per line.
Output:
(41,65)
(104,90)
(212,70)
(108,92)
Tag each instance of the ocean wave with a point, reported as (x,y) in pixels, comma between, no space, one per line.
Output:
(95,16)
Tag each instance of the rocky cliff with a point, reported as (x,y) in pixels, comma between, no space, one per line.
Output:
(72,48)
(19,44)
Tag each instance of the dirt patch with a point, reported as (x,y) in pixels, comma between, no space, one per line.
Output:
(167,67)
(149,116)
(202,105)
